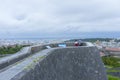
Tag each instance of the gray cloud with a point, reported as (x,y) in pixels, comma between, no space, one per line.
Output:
(58,17)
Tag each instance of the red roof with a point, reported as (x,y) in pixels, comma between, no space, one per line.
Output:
(113,49)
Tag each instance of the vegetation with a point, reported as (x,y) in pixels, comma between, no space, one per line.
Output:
(113,78)
(95,39)
(92,39)
(111,61)
(10,49)
(32,64)
(113,70)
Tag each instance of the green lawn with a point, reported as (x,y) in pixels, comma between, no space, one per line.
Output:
(113,78)
(111,63)
(113,70)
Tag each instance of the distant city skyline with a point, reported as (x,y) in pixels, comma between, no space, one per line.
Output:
(59,18)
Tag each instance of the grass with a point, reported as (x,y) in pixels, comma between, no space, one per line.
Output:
(113,78)
(109,67)
(111,61)
(113,70)
(10,49)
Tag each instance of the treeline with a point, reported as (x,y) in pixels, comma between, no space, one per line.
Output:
(92,39)
(10,49)
(95,39)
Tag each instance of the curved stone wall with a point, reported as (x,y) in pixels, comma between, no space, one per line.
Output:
(71,63)
(8,60)
(27,51)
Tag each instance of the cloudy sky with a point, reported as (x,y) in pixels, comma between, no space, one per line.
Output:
(59,18)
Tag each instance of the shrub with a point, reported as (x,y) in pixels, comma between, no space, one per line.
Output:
(10,49)
(111,61)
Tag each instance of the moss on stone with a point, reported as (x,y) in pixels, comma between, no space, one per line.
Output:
(32,64)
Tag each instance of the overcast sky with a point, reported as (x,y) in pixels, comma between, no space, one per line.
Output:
(59,18)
